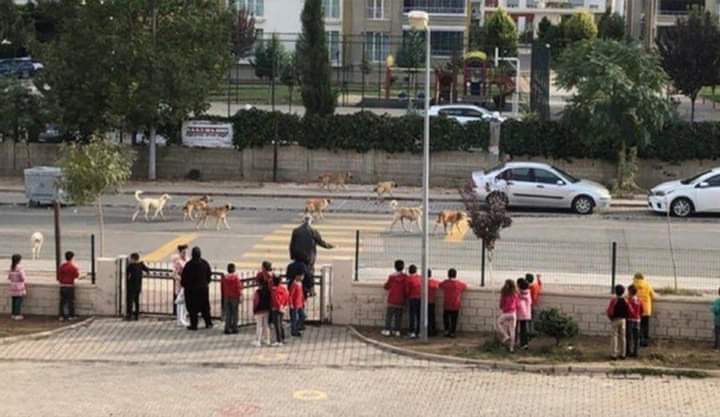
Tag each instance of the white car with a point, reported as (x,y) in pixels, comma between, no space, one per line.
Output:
(700,193)
(532,184)
(465,113)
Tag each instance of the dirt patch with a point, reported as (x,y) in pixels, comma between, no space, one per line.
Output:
(31,324)
(542,350)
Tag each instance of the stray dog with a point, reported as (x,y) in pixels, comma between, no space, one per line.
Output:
(336,179)
(220,213)
(195,204)
(450,218)
(411,214)
(147,204)
(384,187)
(37,239)
(316,206)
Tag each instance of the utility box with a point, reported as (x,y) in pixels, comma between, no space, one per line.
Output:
(42,186)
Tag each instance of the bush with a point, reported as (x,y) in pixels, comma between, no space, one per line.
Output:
(555,324)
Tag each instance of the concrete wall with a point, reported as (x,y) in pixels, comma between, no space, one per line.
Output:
(363,304)
(297,164)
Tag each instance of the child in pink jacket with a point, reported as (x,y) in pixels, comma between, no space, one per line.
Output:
(17,290)
(524,312)
(508,314)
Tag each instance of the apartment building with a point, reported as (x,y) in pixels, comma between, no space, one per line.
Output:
(664,13)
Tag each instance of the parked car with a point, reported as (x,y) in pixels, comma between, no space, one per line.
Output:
(531,184)
(699,193)
(19,67)
(465,113)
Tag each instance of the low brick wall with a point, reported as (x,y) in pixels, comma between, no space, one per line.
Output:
(44,299)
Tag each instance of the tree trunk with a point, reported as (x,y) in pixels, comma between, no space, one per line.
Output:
(101,225)
(151,158)
(692,108)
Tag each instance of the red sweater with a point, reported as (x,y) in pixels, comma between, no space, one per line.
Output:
(395,287)
(67,274)
(231,286)
(452,290)
(433,286)
(266,276)
(297,298)
(635,308)
(413,285)
(535,290)
(279,296)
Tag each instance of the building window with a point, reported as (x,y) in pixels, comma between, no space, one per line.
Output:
(375,9)
(444,43)
(376,46)
(256,7)
(332,9)
(333,42)
(435,6)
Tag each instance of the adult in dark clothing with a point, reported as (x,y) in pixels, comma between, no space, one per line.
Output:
(134,271)
(195,279)
(304,242)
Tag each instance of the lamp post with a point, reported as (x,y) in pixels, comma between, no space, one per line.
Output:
(420,20)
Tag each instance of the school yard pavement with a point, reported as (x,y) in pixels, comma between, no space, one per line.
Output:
(151,368)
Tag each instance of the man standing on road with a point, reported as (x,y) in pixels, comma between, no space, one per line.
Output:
(303,245)
(195,279)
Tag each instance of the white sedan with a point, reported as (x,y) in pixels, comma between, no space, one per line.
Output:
(700,193)
(465,113)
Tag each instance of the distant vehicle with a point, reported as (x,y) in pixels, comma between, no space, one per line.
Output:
(51,134)
(19,67)
(531,184)
(697,194)
(465,113)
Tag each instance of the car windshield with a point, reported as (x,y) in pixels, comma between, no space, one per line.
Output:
(692,179)
(566,175)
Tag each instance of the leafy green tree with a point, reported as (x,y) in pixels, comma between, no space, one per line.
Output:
(243,35)
(557,325)
(314,62)
(13,31)
(581,26)
(619,99)
(501,33)
(690,53)
(290,76)
(270,58)
(611,26)
(24,110)
(411,53)
(93,169)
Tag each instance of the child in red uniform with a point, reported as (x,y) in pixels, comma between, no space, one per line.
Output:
(632,324)
(413,289)
(279,302)
(67,274)
(452,290)
(396,289)
(231,291)
(433,285)
(297,305)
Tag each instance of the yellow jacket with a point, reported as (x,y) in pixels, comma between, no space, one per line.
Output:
(646,294)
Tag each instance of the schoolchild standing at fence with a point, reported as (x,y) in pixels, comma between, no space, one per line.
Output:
(134,271)
(524,312)
(178,263)
(262,305)
(535,286)
(618,313)
(646,294)
(297,305)
(396,295)
(433,286)
(67,274)
(413,285)
(452,300)
(507,321)
(280,297)
(231,293)
(16,290)
(632,324)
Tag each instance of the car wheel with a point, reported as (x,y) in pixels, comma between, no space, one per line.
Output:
(681,207)
(583,205)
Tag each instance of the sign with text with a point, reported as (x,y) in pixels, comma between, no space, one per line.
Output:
(206,134)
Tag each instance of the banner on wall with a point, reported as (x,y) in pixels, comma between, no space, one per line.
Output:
(206,134)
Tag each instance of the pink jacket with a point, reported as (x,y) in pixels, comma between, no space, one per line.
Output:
(17,282)
(509,304)
(524,306)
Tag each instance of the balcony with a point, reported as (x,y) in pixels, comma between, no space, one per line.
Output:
(435,6)
(565,5)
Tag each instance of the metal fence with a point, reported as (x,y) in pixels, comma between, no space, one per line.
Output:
(595,266)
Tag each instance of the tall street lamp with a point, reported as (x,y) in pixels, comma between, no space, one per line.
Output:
(420,20)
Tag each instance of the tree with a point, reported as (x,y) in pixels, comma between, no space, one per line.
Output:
(611,26)
(243,35)
(93,169)
(619,99)
(24,110)
(13,33)
(501,33)
(581,26)
(690,53)
(312,54)
(476,37)
(290,76)
(487,218)
(411,53)
(270,58)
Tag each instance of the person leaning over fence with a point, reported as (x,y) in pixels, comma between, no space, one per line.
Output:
(433,286)
(134,274)
(507,320)
(67,274)
(535,286)
(196,277)
(297,305)
(262,304)
(524,312)
(618,312)
(632,324)
(396,295)
(452,300)
(231,293)
(279,298)
(413,290)
(647,295)
(16,290)
(716,316)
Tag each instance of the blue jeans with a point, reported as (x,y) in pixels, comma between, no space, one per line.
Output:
(297,319)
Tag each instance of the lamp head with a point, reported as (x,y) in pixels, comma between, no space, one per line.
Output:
(419,20)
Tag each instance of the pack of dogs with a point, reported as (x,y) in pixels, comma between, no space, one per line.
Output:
(197,209)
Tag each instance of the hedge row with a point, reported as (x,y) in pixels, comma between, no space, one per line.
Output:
(366,131)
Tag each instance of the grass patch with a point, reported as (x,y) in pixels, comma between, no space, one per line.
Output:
(31,324)
(707,93)
(678,291)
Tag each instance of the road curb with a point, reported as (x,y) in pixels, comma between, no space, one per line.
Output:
(573,368)
(46,334)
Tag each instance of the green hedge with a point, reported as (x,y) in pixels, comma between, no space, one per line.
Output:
(366,131)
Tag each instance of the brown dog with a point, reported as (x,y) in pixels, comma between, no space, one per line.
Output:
(411,214)
(450,218)
(384,187)
(316,206)
(195,204)
(338,180)
(220,213)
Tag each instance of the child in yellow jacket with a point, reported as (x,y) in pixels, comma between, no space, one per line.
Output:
(646,294)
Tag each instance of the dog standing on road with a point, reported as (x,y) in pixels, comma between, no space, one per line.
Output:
(411,214)
(450,218)
(195,204)
(316,206)
(220,213)
(37,239)
(338,180)
(147,204)
(384,187)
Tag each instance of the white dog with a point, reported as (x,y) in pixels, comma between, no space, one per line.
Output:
(401,214)
(37,239)
(147,204)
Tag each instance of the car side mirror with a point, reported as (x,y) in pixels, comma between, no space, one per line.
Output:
(702,185)
(560,182)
